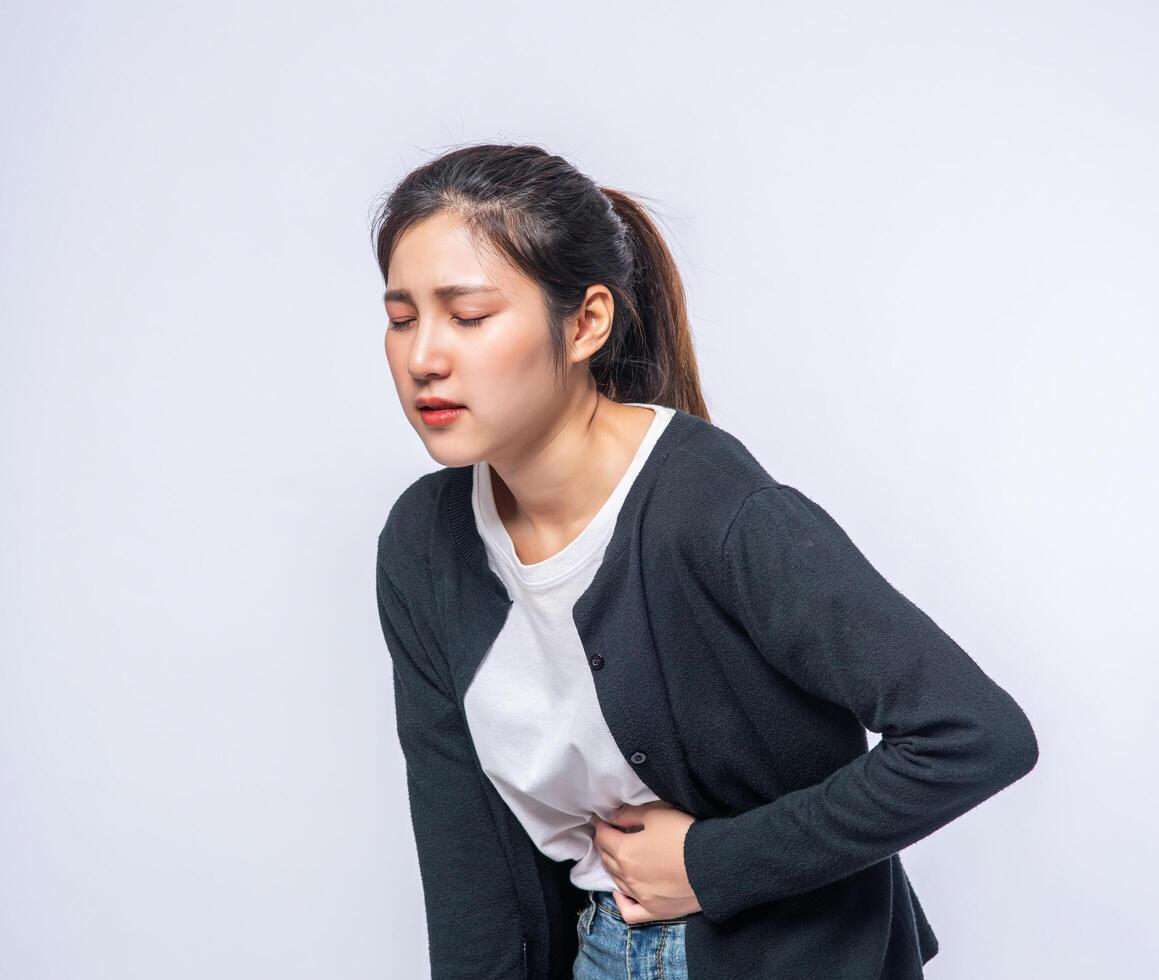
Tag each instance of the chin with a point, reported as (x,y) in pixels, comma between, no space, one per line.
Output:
(447,455)
(452,445)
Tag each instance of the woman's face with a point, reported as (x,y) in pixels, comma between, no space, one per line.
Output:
(499,369)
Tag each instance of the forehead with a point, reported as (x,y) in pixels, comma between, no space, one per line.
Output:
(436,260)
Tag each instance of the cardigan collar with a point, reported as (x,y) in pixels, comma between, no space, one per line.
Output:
(462,517)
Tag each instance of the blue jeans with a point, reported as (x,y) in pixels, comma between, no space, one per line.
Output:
(611,949)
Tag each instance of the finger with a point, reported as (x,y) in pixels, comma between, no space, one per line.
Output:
(609,861)
(633,912)
(620,883)
(630,816)
(604,825)
(607,840)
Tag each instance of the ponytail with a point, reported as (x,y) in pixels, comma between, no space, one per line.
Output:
(658,331)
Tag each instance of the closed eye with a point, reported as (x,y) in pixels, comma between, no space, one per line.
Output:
(403,324)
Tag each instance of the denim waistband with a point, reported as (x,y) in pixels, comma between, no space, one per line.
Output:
(606,902)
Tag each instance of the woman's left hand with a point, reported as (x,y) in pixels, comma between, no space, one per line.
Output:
(647,864)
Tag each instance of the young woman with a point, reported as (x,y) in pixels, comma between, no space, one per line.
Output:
(633,672)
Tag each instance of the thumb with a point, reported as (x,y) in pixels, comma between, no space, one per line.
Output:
(632,911)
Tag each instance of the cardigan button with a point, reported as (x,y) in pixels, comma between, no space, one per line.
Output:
(597,661)
(638,757)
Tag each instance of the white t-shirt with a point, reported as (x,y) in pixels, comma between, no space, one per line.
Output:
(531,706)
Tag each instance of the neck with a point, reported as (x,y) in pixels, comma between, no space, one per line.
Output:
(551,491)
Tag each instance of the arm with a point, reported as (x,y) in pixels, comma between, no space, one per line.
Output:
(473,925)
(820,613)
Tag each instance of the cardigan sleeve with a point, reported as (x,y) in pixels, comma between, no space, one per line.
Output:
(824,617)
(473,924)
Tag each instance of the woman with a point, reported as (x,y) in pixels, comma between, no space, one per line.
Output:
(633,672)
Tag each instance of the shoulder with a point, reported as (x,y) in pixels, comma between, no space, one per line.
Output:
(406,534)
(709,474)
(713,491)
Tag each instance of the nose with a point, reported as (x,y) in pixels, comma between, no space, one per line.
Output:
(428,353)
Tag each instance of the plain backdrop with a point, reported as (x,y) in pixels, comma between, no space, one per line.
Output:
(920,247)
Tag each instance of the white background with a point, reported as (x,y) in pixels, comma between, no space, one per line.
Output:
(920,245)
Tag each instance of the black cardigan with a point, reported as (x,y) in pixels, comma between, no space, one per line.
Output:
(740,645)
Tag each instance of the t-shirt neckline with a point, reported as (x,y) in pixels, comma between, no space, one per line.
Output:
(576,552)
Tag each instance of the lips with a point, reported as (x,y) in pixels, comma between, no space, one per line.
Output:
(440,414)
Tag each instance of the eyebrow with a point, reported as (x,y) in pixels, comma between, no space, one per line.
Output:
(453,291)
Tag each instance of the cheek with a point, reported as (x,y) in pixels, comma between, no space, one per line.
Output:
(511,358)
(404,384)
(395,360)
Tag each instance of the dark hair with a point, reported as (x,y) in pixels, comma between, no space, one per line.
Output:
(566,233)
